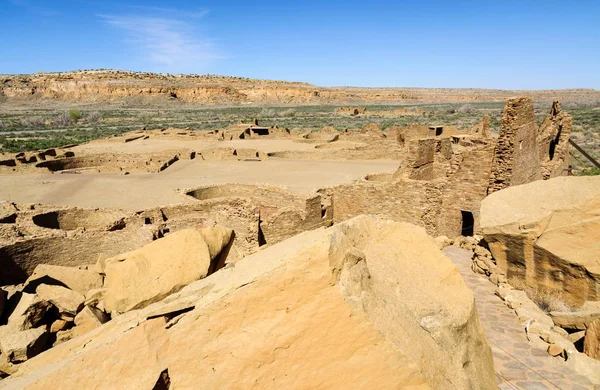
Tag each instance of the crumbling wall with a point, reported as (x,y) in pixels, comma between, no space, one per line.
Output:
(117,162)
(426,159)
(553,141)
(482,129)
(327,133)
(410,132)
(281,214)
(232,154)
(372,130)
(27,161)
(419,161)
(246,131)
(443,154)
(240,215)
(18,260)
(440,184)
(289,222)
(516,157)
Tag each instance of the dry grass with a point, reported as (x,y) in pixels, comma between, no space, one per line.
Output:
(547,300)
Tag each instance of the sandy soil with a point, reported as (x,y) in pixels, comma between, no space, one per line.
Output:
(143,190)
(155,145)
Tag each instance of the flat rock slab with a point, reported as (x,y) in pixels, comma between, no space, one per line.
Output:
(75,279)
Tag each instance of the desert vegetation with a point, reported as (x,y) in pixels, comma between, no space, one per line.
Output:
(33,127)
(546,299)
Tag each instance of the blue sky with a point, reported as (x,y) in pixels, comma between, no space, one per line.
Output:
(472,44)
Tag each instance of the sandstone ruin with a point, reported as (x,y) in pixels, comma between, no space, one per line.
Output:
(269,249)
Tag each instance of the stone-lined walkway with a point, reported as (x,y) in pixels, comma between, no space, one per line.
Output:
(517,362)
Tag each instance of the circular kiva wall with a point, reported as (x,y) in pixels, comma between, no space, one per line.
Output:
(72,219)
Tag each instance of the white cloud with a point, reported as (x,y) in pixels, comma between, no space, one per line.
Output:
(166,44)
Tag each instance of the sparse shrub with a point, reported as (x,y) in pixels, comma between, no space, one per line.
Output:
(32,122)
(466,109)
(588,172)
(290,112)
(75,115)
(268,113)
(64,119)
(93,116)
(547,300)
(147,120)
(571,105)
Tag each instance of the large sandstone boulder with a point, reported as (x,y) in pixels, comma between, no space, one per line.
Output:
(546,233)
(591,342)
(87,319)
(20,346)
(29,312)
(148,274)
(364,304)
(67,301)
(79,280)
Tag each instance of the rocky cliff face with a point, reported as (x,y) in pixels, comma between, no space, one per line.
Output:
(105,86)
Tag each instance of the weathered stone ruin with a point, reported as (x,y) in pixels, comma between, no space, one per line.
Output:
(33,235)
(245,131)
(296,288)
(446,174)
(524,152)
(352,111)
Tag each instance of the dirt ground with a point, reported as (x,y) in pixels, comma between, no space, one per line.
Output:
(136,191)
(155,145)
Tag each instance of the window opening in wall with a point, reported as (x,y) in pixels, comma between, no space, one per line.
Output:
(261,236)
(553,143)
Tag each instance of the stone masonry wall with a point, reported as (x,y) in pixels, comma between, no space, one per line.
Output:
(465,187)
(516,156)
(405,200)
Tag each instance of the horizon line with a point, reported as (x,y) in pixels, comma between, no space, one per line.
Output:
(109,70)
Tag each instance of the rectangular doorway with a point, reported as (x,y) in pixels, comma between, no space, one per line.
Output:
(468,223)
